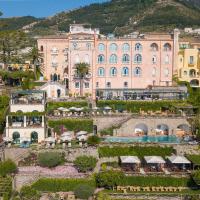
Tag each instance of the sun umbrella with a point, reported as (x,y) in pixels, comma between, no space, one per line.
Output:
(66,138)
(82,138)
(66,134)
(95,108)
(107,108)
(50,139)
(61,108)
(72,108)
(66,110)
(81,133)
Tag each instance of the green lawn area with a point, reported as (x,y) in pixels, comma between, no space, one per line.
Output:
(195,159)
(107,151)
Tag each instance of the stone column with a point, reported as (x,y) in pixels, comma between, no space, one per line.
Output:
(24,121)
(43,121)
(7,123)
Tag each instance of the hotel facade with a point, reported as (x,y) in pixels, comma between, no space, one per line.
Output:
(119,66)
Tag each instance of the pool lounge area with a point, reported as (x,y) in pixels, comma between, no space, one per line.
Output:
(145,139)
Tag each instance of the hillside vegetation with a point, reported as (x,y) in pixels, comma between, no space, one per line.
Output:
(117,16)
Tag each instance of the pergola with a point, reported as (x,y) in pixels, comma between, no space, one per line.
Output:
(154,163)
(130,162)
(179,162)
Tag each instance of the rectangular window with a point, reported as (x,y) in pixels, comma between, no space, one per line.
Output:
(77,85)
(97,84)
(125,84)
(87,85)
(191,61)
(108,84)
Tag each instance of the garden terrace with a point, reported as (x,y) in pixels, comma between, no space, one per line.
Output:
(137,106)
(51,106)
(140,151)
(72,124)
(57,185)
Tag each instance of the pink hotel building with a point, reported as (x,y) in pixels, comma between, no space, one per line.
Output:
(118,65)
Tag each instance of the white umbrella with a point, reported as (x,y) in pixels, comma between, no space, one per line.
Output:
(95,108)
(82,138)
(66,134)
(81,133)
(107,108)
(50,139)
(72,108)
(130,159)
(66,138)
(79,109)
(65,110)
(24,139)
(7,139)
(61,108)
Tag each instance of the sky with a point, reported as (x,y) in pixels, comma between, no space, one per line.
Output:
(40,8)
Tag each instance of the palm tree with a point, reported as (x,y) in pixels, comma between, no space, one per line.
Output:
(81,71)
(35,57)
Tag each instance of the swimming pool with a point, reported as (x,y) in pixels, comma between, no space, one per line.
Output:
(144,139)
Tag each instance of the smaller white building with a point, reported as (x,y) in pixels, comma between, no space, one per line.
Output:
(54,90)
(26,120)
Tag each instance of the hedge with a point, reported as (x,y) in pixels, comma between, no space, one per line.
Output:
(110,178)
(5,185)
(7,167)
(107,151)
(73,124)
(195,159)
(58,185)
(54,105)
(135,106)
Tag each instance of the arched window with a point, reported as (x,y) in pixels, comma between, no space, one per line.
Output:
(154,72)
(125,58)
(101,59)
(137,72)
(154,47)
(113,58)
(41,48)
(16,137)
(167,59)
(55,77)
(101,47)
(125,47)
(88,46)
(101,71)
(77,59)
(166,72)
(192,73)
(87,59)
(113,47)
(125,71)
(154,59)
(167,47)
(113,71)
(138,58)
(138,47)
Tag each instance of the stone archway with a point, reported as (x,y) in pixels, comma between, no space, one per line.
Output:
(163,129)
(141,129)
(16,137)
(184,127)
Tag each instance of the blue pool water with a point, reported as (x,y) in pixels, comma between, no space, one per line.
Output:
(144,139)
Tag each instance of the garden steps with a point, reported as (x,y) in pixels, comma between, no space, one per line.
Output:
(16,154)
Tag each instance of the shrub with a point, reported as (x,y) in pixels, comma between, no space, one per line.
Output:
(6,185)
(109,179)
(27,192)
(196,177)
(58,185)
(85,163)
(7,167)
(5,196)
(50,159)
(84,191)
(135,151)
(73,124)
(93,140)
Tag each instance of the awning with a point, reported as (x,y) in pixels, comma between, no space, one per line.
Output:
(154,160)
(178,160)
(129,159)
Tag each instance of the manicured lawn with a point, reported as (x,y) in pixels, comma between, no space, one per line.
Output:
(107,151)
(58,185)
